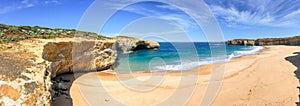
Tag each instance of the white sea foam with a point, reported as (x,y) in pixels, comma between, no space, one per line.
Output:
(254,50)
(189,65)
(179,67)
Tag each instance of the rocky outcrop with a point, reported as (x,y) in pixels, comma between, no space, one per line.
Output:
(23,76)
(244,42)
(79,56)
(279,41)
(90,55)
(27,66)
(128,44)
(267,41)
(31,56)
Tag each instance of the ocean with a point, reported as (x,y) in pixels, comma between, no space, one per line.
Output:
(180,56)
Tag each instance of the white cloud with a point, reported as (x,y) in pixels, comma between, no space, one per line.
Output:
(166,7)
(52,1)
(198,10)
(232,15)
(198,14)
(18,5)
(171,35)
(143,34)
(25,1)
(30,5)
(293,14)
(179,19)
(6,9)
(281,13)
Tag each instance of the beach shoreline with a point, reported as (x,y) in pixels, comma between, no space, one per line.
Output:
(257,51)
(249,77)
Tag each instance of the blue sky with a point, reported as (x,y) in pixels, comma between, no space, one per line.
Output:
(237,18)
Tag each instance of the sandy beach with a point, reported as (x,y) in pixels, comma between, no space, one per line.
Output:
(267,78)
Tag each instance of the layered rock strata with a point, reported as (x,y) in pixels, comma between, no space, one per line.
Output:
(266,41)
(128,44)
(27,66)
(244,42)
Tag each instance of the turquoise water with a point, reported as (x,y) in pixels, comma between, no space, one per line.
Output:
(180,56)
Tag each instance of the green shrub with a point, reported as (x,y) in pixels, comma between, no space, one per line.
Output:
(25,27)
(1,33)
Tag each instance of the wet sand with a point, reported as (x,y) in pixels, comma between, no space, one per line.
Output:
(267,78)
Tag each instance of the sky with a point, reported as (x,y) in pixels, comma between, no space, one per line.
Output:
(182,21)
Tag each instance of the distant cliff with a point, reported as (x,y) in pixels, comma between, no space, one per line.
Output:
(244,42)
(31,56)
(266,41)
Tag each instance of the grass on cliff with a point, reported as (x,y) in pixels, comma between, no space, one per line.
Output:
(9,33)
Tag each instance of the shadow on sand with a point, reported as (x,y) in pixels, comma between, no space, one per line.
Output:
(295,60)
(60,94)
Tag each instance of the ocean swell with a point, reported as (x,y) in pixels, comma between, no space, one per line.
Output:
(186,65)
(252,51)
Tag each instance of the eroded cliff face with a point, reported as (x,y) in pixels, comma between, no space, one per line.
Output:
(70,56)
(31,56)
(23,76)
(266,41)
(28,66)
(279,41)
(244,42)
(128,44)
(94,55)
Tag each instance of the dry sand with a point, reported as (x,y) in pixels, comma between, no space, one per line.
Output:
(267,78)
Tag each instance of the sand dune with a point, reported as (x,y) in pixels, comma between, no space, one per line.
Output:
(267,78)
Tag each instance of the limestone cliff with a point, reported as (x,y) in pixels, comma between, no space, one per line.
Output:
(23,76)
(266,41)
(279,41)
(27,66)
(128,44)
(244,42)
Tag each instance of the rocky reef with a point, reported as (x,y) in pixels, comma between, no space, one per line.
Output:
(28,67)
(266,41)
